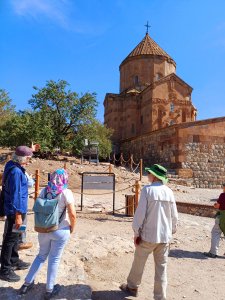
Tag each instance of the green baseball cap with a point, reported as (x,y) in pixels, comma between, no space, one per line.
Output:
(158,171)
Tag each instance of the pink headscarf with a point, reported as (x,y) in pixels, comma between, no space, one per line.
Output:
(58,182)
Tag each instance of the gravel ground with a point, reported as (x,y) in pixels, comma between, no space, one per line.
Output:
(98,257)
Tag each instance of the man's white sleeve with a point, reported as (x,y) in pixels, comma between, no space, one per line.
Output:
(140,213)
(174,215)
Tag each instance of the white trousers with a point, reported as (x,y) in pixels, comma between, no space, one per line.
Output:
(160,253)
(215,237)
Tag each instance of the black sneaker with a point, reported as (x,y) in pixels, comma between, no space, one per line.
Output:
(26,288)
(11,276)
(211,255)
(50,295)
(20,265)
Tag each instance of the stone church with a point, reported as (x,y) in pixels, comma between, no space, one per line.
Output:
(153,118)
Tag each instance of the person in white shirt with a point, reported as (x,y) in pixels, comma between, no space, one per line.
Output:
(155,221)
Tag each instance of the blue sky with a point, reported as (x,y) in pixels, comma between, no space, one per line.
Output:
(84,42)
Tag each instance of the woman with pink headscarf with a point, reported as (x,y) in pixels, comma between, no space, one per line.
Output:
(52,243)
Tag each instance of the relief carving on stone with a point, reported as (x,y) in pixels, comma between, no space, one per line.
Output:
(161,101)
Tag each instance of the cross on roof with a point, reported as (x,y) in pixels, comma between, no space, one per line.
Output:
(148,26)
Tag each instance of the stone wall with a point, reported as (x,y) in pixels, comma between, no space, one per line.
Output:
(196,150)
(207,163)
(156,147)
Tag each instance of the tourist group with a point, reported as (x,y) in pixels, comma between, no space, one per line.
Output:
(154,223)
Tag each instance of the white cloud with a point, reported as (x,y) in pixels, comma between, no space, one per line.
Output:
(63,13)
(55,10)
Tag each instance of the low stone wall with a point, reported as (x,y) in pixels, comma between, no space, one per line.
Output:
(196,209)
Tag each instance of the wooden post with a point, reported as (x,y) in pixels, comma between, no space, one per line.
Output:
(114,159)
(141,168)
(65,166)
(110,168)
(131,162)
(136,193)
(130,205)
(121,159)
(37,184)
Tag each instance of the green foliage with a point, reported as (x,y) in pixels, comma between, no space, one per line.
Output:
(64,110)
(94,132)
(58,118)
(25,127)
(6,108)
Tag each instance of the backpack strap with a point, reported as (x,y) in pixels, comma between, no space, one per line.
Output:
(62,214)
(64,211)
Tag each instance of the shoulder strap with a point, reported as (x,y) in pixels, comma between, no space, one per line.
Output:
(62,214)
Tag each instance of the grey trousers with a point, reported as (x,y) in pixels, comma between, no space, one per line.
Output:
(215,237)
(160,253)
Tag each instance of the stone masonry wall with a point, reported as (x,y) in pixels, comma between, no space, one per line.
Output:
(207,163)
(196,150)
(156,147)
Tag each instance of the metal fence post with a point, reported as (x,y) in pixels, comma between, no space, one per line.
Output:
(131,162)
(121,159)
(141,168)
(82,190)
(114,191)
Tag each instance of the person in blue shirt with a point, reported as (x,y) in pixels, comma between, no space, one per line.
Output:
(15,206)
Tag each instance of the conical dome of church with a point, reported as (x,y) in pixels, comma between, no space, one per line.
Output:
(148,47)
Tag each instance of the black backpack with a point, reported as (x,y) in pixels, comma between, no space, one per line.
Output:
(2,196)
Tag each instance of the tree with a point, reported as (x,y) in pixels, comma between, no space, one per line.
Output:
(64,110)
(6,108)
(58,118)
(93,132)
(24,128)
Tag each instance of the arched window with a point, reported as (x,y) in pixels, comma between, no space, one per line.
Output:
(136,80)
(158,76)
(172,107)
(184,116)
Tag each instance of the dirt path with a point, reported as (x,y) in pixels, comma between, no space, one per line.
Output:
(191,275)
(100,254)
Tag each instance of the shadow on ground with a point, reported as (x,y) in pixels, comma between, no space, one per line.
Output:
(179,253)
(213,200)
(70,292)
(110,295)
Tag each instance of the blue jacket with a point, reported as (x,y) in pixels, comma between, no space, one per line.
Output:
(16,189)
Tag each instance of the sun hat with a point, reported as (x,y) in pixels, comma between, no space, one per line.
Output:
(24,151)
(159,172)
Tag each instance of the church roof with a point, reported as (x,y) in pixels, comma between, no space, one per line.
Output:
(148,47)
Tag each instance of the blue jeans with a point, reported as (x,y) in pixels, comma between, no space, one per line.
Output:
(51,246)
